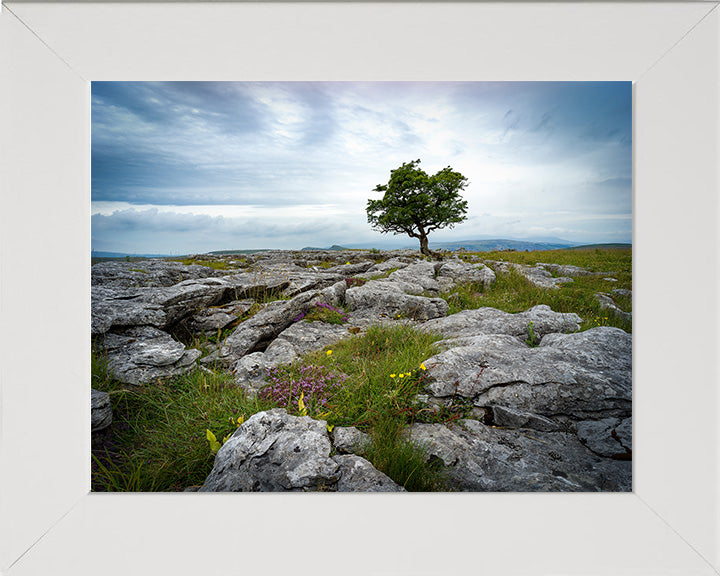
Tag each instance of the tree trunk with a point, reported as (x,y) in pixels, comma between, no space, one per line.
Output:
(424,246)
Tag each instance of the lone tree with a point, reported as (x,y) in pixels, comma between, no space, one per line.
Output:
(416,204)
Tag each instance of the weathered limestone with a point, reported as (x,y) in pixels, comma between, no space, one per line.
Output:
(453,273)
(273,451)
(388,298)
(536,275)
(100,410)
(493,321)
(568,374)
(142,354)
(481,458)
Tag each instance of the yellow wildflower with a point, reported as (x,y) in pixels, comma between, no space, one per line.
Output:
(328,352)
(422,366)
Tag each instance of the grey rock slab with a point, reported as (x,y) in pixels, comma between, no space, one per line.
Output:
(571,374)
(536,275)
(385,267)
(273,451)
(492,321)
(100,410)
(214,318)
(622,292)
(359,475)
(598,436)
(123,308)
(481,458)
(388,298)
(569,270)
(417,278)
(163,307)
(301,279)
(347,270)
(142,354)
(305,337)
(607,303)
(453,273)
(513,418)
(147,273)
(335,294)
(349,440)
(255,333)
(624,433)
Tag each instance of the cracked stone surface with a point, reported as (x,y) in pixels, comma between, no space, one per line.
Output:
(481,458)
(273,451)
(143,354)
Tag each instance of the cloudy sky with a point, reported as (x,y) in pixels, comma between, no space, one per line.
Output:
(190,167)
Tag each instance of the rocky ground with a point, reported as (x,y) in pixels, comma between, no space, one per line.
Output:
(555,416)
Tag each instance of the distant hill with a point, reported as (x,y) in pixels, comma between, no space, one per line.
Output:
(333,247)
(500,244)
(611,246)
(227,252)
(100,254)
(476,245)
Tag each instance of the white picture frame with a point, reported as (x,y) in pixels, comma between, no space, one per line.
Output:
(51,524)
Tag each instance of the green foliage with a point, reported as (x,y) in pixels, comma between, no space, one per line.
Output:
(385,374)
(323,312)
(533,339)
(513,293)
(158,439)
(212,439)
(415,203)
(214,264)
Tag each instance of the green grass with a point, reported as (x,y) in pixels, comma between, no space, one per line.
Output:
(214,264)
(513,293)
(380,398)
(157,440)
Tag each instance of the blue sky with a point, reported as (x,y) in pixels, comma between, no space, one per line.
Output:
(190,167)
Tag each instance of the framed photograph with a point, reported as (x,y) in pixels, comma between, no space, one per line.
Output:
(52,523)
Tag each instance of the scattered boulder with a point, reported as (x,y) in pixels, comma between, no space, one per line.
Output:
(607,303)
(209,320)
(536,275)
(481,458)
(492,321)
(386,266)
(416,278)
(388,298)
(256,333)
(453,273)
(142,354)
(350,440)
(358,475)
(100,410)
(569,270)
(568,374)
(152,273)
(273,451)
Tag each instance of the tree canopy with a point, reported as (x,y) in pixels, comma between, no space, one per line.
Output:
(416,204)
